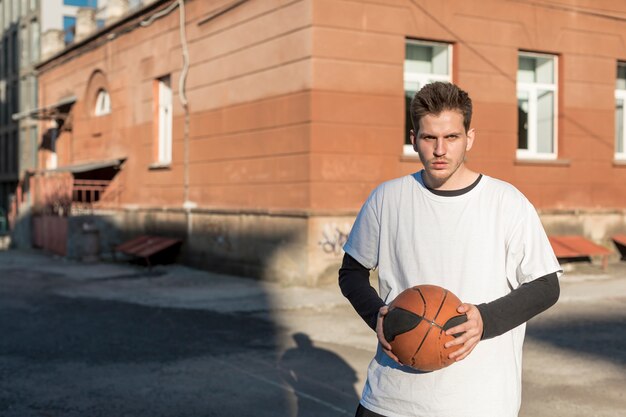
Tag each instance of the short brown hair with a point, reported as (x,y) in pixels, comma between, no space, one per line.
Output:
(436,97)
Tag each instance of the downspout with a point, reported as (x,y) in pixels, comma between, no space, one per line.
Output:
(187,204)
(182,95)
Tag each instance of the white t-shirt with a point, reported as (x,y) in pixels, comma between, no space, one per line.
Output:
(480,245)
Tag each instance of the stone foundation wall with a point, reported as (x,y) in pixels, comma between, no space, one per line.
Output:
(597,226)
(290,248)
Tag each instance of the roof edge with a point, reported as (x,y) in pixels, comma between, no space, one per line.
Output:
(106,30)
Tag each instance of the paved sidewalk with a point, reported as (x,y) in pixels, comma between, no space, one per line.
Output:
(177,286)
(574,354)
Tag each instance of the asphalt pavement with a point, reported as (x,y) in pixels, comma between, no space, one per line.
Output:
(114,339)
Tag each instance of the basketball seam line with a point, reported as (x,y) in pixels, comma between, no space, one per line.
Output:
(431,323)
(428,331)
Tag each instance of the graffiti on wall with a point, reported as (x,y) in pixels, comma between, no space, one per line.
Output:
(334,237)
(217,234)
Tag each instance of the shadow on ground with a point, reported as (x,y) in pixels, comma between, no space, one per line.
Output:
(308,368)
(101,332)
(602,336)
(71,357)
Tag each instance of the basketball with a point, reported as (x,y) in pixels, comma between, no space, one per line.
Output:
(416,323)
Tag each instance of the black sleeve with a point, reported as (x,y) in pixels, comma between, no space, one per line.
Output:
(354,281)
(519,306)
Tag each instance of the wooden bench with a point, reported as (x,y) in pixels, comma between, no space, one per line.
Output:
(574,246)
(620,243)
(146,246)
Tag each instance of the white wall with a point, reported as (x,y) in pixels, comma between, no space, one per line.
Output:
(52,12)
(51,15)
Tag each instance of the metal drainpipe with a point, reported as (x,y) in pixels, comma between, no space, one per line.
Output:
(187,205)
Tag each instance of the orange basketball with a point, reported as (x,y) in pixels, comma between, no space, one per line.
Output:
(416,323)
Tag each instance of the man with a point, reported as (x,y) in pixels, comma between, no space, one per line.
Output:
(474,235)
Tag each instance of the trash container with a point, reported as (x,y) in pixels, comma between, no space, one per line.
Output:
(91,243)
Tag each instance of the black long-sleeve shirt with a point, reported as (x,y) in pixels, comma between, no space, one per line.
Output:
(499,316)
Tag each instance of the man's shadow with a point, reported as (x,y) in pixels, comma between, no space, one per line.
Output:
(322,382)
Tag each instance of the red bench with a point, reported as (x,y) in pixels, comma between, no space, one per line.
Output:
(573,246)
(620,243)
(145,246)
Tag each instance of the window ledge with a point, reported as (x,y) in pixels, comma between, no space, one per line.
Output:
(619,162)
(155,166)
(409,157)
(543,162)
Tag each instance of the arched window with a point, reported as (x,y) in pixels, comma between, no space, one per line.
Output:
(103,103)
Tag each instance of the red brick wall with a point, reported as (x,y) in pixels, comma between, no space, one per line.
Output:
(249,100)
(298,105)
(358,66)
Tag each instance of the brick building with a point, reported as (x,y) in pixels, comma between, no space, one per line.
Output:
(256,129)
(21,24)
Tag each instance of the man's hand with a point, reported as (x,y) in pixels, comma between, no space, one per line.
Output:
(382,312)
(473,331)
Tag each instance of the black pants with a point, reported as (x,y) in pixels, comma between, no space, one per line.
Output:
(364,412)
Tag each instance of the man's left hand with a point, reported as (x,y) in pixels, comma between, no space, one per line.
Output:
(472,331)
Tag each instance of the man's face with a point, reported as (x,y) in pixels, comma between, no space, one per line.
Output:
(441,142)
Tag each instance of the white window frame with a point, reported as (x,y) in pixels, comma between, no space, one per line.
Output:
(165,105)
(423,79)
(532,89)
(621,94)
(103,103)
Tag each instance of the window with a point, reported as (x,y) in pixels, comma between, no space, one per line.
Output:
(81,3)
(6,55)
(34,138)
(15,52)
(3,153)
(23,92)
(620,116)
(424,63)
(22,141)
(103,103)
(536,106)
(24,44)
(34,91)
(164,117)
(34,41)
(3,101)
(52,157)
(69,28)
(14,106)
(12,152)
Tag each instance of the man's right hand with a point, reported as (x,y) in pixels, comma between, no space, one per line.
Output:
(382,312)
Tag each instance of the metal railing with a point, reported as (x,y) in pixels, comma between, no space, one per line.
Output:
(88,191)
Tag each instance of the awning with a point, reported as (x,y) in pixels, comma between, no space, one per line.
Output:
(89,166)
(58,110)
